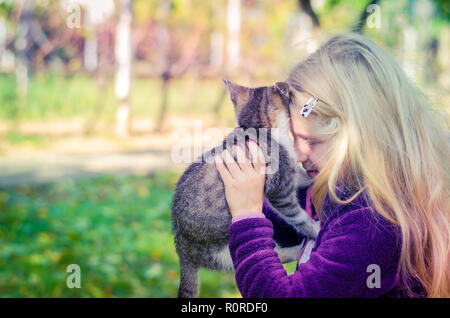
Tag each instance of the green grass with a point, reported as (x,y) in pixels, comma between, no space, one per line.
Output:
(14,137)
(117,229)
(53,96)
(58,97)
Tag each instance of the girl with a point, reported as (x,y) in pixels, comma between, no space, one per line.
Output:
(380,163)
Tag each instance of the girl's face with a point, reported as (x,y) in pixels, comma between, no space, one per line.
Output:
(310,147)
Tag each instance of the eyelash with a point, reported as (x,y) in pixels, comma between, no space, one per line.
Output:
(311,142)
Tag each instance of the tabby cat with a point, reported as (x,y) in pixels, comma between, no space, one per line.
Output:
(200,213)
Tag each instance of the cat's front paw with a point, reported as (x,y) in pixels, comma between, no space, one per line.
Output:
(316,227)
(311,229)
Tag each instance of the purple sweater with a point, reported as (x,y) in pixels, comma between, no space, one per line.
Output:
(352,238)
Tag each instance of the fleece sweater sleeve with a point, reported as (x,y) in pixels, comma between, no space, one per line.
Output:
(338,266)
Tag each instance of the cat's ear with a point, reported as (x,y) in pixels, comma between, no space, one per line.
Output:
(233,88)
(238,95)
(283,89)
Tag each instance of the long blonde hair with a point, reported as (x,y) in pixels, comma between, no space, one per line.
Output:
(388,141)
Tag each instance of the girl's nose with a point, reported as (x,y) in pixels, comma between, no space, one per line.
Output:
(302,152)
(301,156)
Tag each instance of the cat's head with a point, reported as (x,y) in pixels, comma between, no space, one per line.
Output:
(261,107)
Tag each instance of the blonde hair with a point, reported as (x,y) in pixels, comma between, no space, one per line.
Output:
(388,141)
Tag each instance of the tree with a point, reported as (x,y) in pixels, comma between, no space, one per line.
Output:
(305,5)
(22,44)
(363,17)
(178,48)
(234,27)
(123,52)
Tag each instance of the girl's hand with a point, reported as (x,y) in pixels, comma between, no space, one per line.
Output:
(243,180)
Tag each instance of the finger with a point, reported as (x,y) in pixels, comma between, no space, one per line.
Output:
(222,169)
(259,161)
(243,161)
(232,166)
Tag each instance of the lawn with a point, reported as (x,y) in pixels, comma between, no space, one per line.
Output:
(55,97)
(117,229)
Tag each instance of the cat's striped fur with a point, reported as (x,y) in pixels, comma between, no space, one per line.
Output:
(200,214)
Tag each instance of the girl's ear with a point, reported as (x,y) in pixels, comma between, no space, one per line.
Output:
(283,89)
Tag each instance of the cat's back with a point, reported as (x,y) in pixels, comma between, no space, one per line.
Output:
(198,182)
(199,203)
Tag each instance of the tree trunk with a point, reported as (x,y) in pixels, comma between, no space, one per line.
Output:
(2,40)
(305,5)
(91,52)
(123,52)
(220,100)
(216,50)
(164,99)
(234,28)
(22,45)
(363,17)
(163,36)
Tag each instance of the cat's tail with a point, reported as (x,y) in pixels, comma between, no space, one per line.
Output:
(188,279)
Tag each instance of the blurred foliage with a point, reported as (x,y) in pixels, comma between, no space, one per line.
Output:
(341,13)
(443,9)
(117,229)
(267,49)
(263,29)
(5,7)
(52,97)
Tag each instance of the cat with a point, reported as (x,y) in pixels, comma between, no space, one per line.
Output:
(200,214)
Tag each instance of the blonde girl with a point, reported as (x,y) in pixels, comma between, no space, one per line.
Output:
(379,157)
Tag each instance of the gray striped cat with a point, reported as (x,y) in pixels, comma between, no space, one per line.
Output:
(200,213)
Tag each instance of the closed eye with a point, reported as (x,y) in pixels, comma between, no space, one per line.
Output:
(312,142)
(308,139)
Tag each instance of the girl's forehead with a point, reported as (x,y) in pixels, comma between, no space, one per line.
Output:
(311,123)
(300,98)
(304,127)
